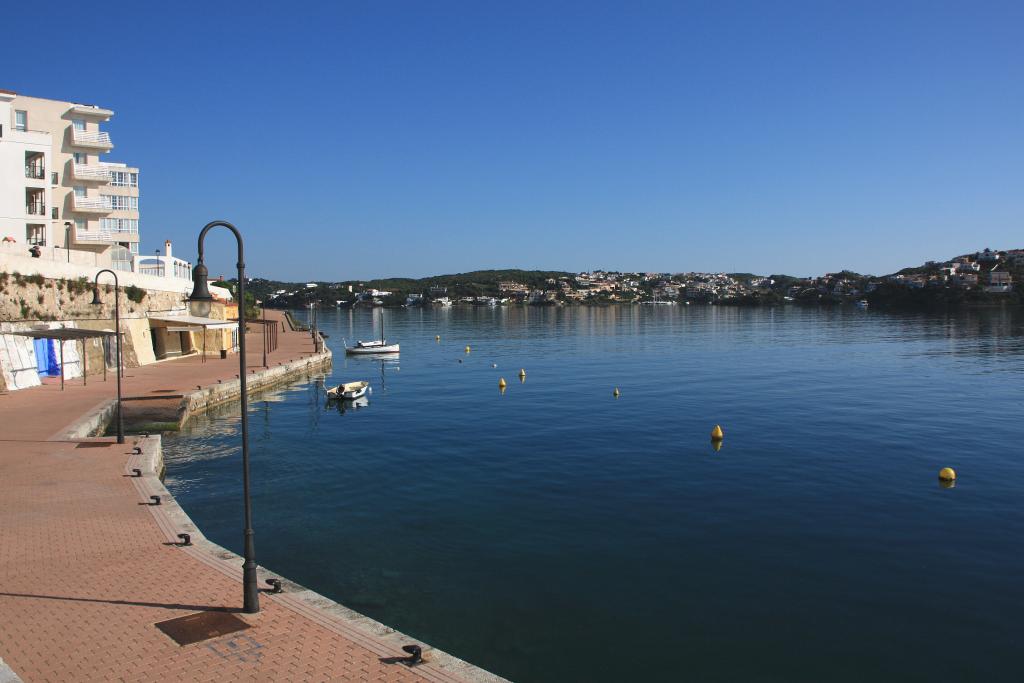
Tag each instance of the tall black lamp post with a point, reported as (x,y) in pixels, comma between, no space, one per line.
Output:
(117,334)
(199,305)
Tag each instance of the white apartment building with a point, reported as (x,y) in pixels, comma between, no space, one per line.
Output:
(56,191)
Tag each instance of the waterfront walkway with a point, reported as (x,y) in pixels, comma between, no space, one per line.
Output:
(87,567)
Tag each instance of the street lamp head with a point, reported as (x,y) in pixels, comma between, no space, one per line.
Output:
(96,296)
(200,301)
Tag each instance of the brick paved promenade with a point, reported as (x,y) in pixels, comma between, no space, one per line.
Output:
(87,568)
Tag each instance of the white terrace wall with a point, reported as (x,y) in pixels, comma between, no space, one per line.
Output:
(14,258)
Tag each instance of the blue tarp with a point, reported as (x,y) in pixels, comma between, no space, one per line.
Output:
(52,366)
(39,346)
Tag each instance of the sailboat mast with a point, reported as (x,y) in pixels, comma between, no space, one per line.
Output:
(382,326)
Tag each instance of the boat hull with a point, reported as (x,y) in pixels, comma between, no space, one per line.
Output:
(371,350)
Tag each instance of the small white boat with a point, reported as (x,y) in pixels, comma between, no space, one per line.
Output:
(349,390)
(862,304)
(358,349)
(373,347)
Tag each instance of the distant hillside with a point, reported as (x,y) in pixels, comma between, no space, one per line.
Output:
(475,283)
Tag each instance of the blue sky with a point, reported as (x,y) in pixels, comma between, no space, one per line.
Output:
(361,139)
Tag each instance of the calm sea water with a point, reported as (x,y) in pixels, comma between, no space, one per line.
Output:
(556,533)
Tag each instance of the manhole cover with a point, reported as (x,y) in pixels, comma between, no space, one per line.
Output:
(95,444)
(193,628)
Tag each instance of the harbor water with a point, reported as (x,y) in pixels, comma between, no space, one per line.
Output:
(556,532)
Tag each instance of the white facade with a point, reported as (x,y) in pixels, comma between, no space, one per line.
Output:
(26,196)
(87,204)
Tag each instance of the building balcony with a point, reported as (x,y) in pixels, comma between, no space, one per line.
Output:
(35,171)
(35,208)
(93,139)
(90,205)
(90,173)
(94,236)
(91,110)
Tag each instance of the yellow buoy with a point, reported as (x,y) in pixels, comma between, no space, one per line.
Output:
(616,392)
(522,373)
(467,348)
(501,383)
(947,474)
(716,433)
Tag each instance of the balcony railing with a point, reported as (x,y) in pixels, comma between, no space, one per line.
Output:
(93,236)
(36,172)
(91,172)
(91,205)
(35,208)
(92,138)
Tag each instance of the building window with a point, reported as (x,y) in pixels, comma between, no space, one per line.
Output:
(80,191)
(53,178)
(124,179)
(134,248)
(117,202)
(36,235)
(20,120)
(81,225)
(130,225)
(79,124)
(81,158)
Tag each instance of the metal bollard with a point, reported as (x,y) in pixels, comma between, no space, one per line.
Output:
(415,654)
(155,499)
(275,584)
(185,539)
(136,472)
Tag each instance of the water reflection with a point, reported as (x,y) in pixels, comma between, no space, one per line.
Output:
(522,510)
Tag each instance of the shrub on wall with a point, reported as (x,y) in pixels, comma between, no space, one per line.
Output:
(136,294)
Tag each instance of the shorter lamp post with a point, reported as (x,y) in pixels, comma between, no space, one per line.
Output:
(263,305)
(67,240)
(117,335)
(199,303)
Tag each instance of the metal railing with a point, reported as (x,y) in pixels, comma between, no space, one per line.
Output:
(90,172)
(100,235)
(91,138)
(35,171)
(35,208)
(90,204)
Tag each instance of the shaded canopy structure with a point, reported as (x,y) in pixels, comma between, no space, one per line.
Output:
(189,323)
(63,334)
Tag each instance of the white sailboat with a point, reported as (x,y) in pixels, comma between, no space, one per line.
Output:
(373,347)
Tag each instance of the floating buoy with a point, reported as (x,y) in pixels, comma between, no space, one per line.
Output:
(494,365)
(616,392)
(460,360)
(467,348)
(501,383)
(437,337)
(522,373)
(947,474)
(716,433)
